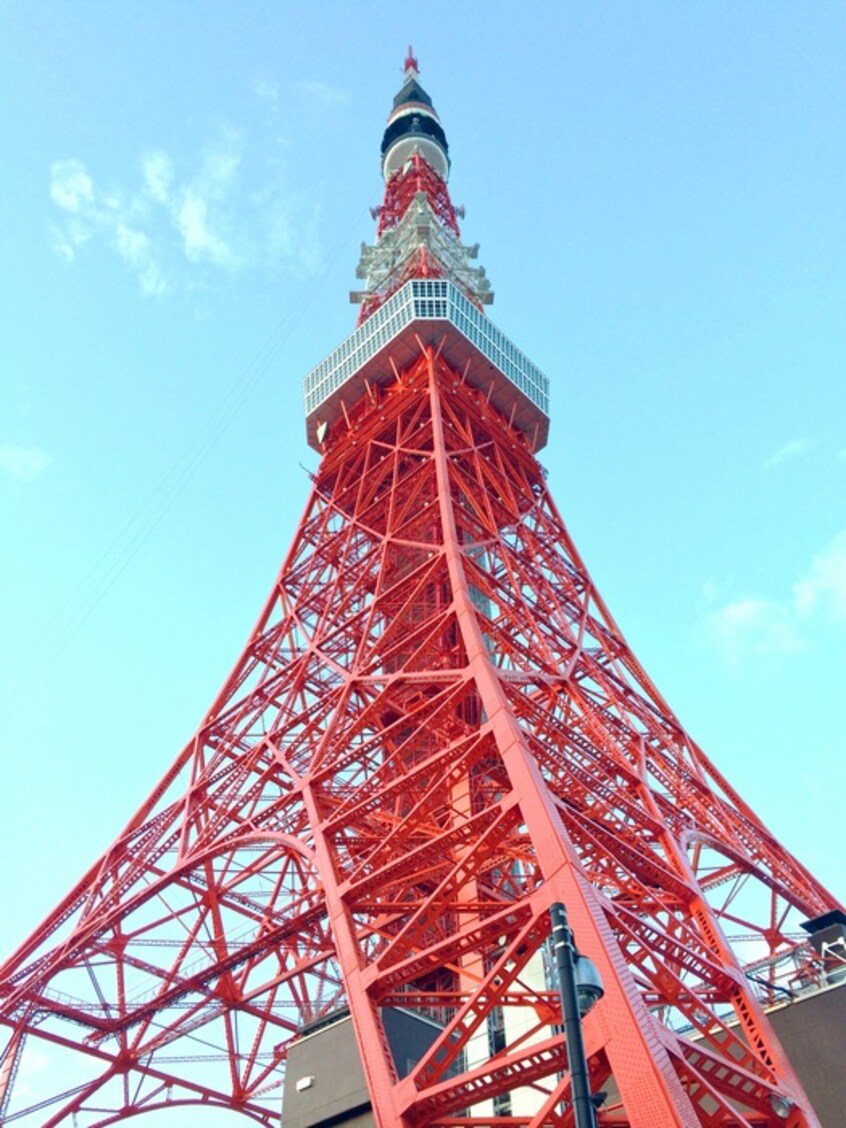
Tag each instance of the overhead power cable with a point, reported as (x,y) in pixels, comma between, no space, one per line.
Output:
(51,640)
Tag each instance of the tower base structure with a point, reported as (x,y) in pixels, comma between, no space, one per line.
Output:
(325,1084)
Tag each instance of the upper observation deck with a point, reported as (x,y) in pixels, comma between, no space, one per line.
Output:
(431,311)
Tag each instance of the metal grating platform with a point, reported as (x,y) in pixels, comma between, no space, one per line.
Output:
(430,310)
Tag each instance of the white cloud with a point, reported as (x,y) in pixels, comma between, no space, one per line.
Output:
(220,163)
(72,191)
(107,215)
(71,188)
(713,590)
(135,249)
(289,231)
(754,626)
(23,463)
(792,449)
(323,94)
(750,627)
(65,240)
(158,175)
(266,90)
(134,246)
(227,208)
(823,589)
(192,221)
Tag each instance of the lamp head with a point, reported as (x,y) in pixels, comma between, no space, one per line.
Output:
(589,989)
(781,1106)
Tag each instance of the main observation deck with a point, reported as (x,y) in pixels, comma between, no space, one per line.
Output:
(433,311)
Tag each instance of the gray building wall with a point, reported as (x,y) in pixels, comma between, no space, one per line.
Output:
(324,1080)
(812,1031)
(325,1085)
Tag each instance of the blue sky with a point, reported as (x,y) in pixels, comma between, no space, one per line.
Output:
(658,193)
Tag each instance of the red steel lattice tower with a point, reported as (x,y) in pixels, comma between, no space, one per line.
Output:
(434,732)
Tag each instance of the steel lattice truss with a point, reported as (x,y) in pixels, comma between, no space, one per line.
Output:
(417,237)
(418,177)
(434,731)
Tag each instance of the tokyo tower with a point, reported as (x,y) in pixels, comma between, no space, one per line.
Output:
(435,732)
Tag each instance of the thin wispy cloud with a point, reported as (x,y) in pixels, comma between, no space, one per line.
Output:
(822,590)
(266,90)
(195,223)
(22,464)
(792,449)
(323,94)
(227,208)
(754,627)
(72,189)
(157,169)
(136,250)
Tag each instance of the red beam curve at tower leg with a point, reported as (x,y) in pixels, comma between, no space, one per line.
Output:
(434,732)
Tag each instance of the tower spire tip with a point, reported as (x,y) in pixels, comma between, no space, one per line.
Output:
(410,62)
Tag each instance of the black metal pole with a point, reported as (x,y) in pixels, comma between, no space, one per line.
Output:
(564,951)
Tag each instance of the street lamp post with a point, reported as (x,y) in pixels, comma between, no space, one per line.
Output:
(580,987)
